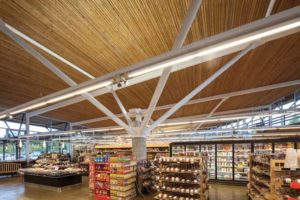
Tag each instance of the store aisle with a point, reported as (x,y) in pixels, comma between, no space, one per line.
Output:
(227,192)
(13,189)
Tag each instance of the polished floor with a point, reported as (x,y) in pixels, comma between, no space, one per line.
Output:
(14,189)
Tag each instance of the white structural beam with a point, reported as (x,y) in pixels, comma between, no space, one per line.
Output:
(200,88)
(207,99)
(123,109)
(266,29)
(62,75)
(212,112)
(187,23)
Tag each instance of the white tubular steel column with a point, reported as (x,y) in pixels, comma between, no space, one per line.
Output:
(139,146)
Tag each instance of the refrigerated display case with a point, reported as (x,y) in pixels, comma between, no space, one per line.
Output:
(280,147)
(192,150)
(211,159)
(241,161)
(224,162)
(178,150)
(263,148)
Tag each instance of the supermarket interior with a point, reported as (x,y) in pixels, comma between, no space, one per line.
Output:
(150,99)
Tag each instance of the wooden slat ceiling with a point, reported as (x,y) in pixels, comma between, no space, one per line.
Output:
(103,36)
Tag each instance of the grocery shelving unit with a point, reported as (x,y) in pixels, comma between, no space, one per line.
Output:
(268,179)
(234,156)
(122,178)
(101,172)
(182,177)
(161,149)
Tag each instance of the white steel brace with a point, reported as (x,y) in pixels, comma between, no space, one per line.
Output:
(212,112)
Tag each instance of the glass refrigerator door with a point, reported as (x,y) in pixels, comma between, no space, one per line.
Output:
(241,167)
(260,148)
(178,150)
(281,147)
(224,162)
(192,150)
(210,150)
(298,145)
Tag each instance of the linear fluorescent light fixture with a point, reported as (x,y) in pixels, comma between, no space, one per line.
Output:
(2,116)
(183,132)
(204,120)
(62,97)
(212,50)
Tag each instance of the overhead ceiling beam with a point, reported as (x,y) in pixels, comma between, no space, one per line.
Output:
(187,23)
(267,29)
(62,75)
(207,99)
(200,88)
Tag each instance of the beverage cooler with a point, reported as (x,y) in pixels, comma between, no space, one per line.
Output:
(280,147)
(192,150)
(241,161)
(229,161)
(263,148)
(211,161)
(178,150)
(224,162)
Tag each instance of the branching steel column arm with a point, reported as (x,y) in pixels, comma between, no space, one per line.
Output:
(62,75)
(119,102)
(270,7)
(211,112)
(188,21)
(199,88)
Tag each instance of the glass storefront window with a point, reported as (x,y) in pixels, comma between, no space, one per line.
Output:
(10,151)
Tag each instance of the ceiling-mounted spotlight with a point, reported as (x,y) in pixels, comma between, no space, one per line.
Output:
(10,116)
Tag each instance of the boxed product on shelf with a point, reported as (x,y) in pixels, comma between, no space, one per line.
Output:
(122,177)
(100,171)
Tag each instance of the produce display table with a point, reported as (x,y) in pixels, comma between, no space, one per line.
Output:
(58,182)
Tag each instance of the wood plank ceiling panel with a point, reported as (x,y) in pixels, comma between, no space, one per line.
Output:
(102,36)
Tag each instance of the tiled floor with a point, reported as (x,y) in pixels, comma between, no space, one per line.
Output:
(14,189)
